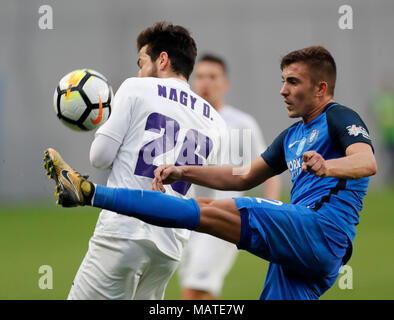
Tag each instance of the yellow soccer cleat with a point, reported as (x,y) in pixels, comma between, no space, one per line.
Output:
(72,188)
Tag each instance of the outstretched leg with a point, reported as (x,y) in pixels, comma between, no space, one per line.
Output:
(219,218)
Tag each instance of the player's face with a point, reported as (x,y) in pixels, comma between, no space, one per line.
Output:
(147,67)
(210,81)
(297,90)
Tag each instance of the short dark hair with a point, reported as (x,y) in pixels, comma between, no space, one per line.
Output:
(175,40)
(209,57)
(320,62)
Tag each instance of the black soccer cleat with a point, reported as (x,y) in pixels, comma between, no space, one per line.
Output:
(72,188)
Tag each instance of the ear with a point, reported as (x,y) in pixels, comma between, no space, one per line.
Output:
(163,61)
(321,89)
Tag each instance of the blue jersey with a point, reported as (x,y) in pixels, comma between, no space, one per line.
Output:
(329,134)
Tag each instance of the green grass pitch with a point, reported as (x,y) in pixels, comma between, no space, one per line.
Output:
(33,235)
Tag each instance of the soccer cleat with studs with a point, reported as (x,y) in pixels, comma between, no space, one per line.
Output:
(72,189)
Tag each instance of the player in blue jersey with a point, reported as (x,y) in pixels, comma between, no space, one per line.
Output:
(329,156)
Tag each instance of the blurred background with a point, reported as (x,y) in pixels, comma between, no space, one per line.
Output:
(252,36)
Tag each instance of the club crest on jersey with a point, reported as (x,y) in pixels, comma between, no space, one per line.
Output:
(312,137)
(301,146)
(353,130)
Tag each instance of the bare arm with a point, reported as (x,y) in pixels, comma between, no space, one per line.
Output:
(221,178)
(359,162)
(271,188)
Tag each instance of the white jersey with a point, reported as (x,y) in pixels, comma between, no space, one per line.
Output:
(157,121)
(237,119)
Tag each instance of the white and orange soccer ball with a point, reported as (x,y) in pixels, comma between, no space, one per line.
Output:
(82,100)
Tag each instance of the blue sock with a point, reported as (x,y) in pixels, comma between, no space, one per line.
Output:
(150,206)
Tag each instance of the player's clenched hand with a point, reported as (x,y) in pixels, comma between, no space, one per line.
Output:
(314,163)
(165,174)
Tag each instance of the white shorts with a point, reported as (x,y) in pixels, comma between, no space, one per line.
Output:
(122,269)
(206,260)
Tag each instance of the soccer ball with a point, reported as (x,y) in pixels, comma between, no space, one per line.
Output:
(82,100)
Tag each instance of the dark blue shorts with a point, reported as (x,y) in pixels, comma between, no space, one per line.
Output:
(305,250)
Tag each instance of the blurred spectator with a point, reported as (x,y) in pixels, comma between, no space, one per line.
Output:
(383,107)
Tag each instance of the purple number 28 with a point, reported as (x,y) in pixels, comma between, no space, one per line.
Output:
(196,147)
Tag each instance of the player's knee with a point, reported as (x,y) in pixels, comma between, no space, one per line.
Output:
(203,202)
(206,211)
(210,211)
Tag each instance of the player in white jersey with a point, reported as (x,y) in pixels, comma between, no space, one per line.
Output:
(201,276)
(156,119)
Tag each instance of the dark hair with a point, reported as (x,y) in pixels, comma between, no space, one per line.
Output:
(175,40)
(209,57)
(320,62)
